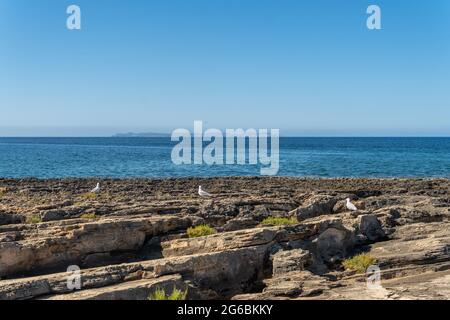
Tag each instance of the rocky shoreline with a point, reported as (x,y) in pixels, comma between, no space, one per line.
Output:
(131,239)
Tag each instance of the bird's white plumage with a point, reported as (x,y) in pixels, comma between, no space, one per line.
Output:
(350,205)
(203,193)
(96,189)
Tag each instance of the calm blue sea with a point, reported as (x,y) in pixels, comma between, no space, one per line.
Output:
(150,157)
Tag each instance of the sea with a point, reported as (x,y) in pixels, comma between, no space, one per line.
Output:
(127,157)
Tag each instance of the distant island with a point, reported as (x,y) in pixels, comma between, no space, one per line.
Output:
(141,134)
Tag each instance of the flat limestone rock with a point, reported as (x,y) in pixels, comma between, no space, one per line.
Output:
(216,269)
(415,244)
(432,285)
(62,245)
(132,290)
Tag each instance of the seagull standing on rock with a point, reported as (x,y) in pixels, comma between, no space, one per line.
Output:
(202,193)
(96,189)
(350,206)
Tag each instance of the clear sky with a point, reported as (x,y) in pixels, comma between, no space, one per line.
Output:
(305,67)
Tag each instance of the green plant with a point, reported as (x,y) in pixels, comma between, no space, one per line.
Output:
(89,195)
(160,294)
(88,216)
(33,219)
(200,231)
(359,263)
(279,221)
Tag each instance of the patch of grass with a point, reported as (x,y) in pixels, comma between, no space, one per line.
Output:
(200,231)
(88,216)
(279,221)
(89,195)
(160,294)
(359,263)
(33,219)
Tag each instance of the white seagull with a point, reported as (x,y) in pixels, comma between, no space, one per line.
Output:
(202,193)
(350,206)
(96,189)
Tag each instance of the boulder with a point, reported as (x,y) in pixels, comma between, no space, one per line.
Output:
(370,227)
(315,206)
(291,260)
(50,215)
(333,244)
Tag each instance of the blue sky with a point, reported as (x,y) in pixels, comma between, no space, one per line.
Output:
(306,67)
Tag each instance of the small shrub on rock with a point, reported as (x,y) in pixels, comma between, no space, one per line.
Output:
(89,195)
(200,231)
(160,294)
(359,263)
(33,219)
(279,221)
(88,216)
